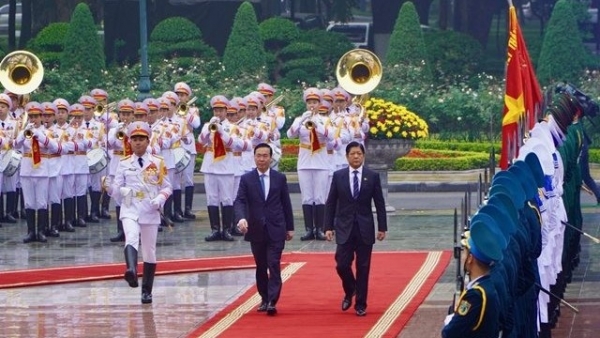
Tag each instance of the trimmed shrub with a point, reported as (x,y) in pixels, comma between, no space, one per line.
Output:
(277,33)
(245,52)
(563,55)
(460,161)
(300,64)
(178,37)
(49,43)
(452,53)
(330,46)
(83,49)
(458,146)
(407,45)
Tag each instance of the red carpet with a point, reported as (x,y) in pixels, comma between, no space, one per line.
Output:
(20,278)
(311,298)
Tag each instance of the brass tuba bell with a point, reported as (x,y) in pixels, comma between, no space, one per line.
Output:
(21,72)
(359,71)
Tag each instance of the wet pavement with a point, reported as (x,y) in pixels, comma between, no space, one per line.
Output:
(423,221)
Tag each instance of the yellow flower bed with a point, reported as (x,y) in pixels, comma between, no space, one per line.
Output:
(388,120)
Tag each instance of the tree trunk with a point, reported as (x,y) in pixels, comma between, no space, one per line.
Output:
(12,12)
(445,12)
(25,23)
(422,7)
(460,16)
(480,14)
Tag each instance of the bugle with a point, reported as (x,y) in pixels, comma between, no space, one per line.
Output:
(213,127)
(183,108)
(273,102)
(121,131)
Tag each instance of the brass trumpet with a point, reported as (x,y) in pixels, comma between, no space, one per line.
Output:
(121,132)
(273,102)
(310,125)
(28,133)
(100,109)
(213,127)
(183,108)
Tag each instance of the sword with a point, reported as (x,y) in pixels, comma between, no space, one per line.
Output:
(596,240)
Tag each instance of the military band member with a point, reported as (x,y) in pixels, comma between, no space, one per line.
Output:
(141,186)
(10,184)
(153,117)
(79,163)
(313,131)
(192,120)
(110,120)
(67,178)
(118,142)
(218,168)
(8,130)
(34,172)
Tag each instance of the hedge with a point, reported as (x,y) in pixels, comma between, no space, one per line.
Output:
(460,146)
(470,161)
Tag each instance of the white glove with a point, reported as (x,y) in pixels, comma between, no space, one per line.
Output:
(448,319)
(306,115)
(39,135)
(126,194)
(158,201)
(214,119)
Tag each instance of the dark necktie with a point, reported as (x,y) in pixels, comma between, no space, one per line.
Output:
(87,125)
(262,186)
(141,162)
(2,125)
(355,190)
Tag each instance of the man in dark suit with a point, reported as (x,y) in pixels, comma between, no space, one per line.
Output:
(264,211)
(348,214)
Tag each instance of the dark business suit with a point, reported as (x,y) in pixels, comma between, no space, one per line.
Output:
(268,223)
(352,220)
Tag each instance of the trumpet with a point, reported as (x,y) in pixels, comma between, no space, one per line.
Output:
(273,102)
(213,127)
(183,108)
(310,125)
(121,131)
(100,109)
(28,132)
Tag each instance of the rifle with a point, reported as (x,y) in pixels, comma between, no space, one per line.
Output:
(460,283)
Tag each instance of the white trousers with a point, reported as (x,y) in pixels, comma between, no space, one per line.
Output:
(313,185)
(148,232)
(187,175)
(94,180)
(9,183)
(35,192)
(68,186)
(174,178)
(55,189)
(80,184)
(219,189)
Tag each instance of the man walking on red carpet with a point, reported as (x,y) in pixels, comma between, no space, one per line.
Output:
(264,210)
(348,215)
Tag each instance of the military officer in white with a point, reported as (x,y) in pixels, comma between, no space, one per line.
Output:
(79,163)
(34,172)
(141,185)
(218,168)
(314,131)
(8,131)
(192,121)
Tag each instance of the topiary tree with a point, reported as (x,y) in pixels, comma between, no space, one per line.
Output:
(178,37)
(407,45)
(563,55)
(49,43)
(83,49)
(453,54)
(278,32)
(245,52)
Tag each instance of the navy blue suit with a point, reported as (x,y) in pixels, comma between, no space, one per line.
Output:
(268,223)
(352,220)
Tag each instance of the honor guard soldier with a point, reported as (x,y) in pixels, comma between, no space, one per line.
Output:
(34,172)
(141,186)
(79,162)
(8,130)
(477,309)
(192,120)
(67,179)
(118,142)
(10,184)
(153,117)
(256,132)
(340,121)
(110,120)
(218,168)
(314,131)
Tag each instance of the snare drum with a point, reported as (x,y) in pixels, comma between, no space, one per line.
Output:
(97,160)
(182,159)
(10,162)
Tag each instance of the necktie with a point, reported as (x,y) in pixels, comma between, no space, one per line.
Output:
(355,190)
(262,185)
(87,124)
(141,162)
(2,124)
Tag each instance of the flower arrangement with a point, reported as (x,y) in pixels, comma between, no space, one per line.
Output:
(388,120)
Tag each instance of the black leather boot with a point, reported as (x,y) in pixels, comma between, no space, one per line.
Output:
(54,220)
(147,281)
(168,211)
(131,257)
(177,213)
(189,199)
(307,211)
(30,216)
(227,213)
(120,237)
(11,203)
(42,225)
(319,220)
(94,207)
(215,224)
(69,219)
(81,211)
(105,205)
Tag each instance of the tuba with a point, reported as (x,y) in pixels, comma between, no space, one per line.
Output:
(358,72)
(21,72)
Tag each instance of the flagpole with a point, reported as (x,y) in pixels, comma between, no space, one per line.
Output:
(510,4)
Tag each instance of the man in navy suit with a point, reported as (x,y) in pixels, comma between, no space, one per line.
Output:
(349,216)
(264,211)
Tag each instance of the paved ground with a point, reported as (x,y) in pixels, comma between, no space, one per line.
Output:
(422,221)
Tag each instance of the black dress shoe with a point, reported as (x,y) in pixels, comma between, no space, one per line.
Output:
(52,232)
(120,237)
(262,307)
(80,222)
(177,217)
(346,303)
(104,214)
(361,312)
(9,219)
(188,214)
(146,298)
(319,235)
(214,236)
(67,226)
(309,236)
(271,309)
(226,236)
(93,218)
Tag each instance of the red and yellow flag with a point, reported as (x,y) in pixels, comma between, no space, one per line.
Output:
(219,150)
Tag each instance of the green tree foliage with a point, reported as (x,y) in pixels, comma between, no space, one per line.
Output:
(453,54)
(49,43)
(178,37)
(407,45)
(563,56)
(245,52)
(278,32)
(83,49)
(301,64)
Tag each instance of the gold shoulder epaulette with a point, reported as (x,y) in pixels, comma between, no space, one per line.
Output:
(157,156)
(126,158)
